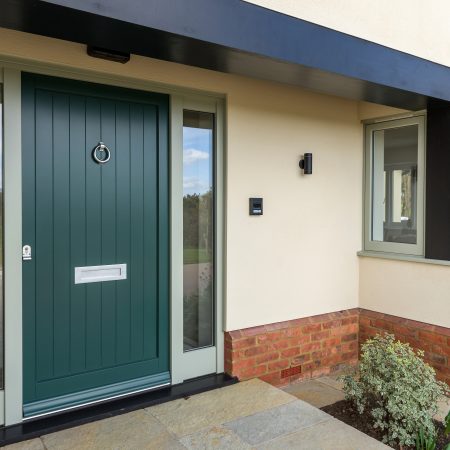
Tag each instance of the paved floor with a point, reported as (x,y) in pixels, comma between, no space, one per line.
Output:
(319,392)
(444,408)
(327,390)
(247,415)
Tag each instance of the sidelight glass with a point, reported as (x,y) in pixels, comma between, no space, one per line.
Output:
(394,184)
(1,244)
(198,229)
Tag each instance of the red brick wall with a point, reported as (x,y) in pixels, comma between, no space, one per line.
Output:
(434,340)
(284,352)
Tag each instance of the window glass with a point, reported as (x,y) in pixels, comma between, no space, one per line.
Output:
(394,184)
(198,229)
(1,239)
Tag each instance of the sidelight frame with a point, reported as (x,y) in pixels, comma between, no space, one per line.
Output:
(207,360)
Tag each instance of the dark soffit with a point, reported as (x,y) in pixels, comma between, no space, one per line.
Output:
(237,37)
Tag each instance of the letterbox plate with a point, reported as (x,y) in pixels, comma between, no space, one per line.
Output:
(95,274)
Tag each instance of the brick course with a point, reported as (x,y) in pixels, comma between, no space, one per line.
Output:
(285,352)
(432,339)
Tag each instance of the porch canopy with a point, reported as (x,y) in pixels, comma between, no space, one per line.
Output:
(237,37)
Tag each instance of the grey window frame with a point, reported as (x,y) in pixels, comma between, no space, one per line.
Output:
(417,249)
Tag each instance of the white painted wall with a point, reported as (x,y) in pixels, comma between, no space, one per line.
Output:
(417,27)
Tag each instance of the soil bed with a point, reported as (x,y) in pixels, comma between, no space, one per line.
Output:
(345,412)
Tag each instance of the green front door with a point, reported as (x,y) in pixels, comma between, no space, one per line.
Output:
(87,339)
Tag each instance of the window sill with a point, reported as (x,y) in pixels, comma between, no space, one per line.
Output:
(400,257)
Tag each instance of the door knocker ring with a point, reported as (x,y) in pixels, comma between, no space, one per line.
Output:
(101,147)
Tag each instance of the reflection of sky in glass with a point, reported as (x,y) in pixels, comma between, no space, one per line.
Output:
(1,142)
(197,160)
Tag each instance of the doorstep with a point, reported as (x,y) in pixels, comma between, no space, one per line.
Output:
(48,425)
(247,415)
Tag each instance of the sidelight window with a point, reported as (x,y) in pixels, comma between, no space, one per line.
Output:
(1,243)
(198,229)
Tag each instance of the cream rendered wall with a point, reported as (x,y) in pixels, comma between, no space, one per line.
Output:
(417,27)
(417,291)
(414,290)
(372,111)
(299,259)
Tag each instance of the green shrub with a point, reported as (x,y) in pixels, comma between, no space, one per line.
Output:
(425,442)
(396,388)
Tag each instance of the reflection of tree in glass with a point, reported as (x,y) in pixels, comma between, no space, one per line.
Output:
(194,303)
(198,243)
(1,232)
(198,223)
(407,194)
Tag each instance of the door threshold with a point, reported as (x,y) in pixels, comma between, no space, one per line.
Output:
(37,427)
(92,396)
(94,402)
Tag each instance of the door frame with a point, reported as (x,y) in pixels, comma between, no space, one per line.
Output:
(201,359)
(10,72)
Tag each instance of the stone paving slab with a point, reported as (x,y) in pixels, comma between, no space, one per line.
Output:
(278,421)
(330,435)
(315,393)
(216,437)
(443,409)
(135,430)
(250,415)
(32,444)
(331,381)
(182,417)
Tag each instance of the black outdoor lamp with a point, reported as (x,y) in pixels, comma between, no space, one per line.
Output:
(306,164)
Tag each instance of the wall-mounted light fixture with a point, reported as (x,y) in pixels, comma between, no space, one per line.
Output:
(306,164)
(110,55)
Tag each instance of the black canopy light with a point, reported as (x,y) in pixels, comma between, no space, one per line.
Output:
(110,55)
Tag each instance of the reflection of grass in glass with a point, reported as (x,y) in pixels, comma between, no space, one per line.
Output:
(192,304)
(1,217)
(196,256)
(190,326)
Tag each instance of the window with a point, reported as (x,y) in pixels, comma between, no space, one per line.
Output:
(198,229)
(1,238)
(394,188)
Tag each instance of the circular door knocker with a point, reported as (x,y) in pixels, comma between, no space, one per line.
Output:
(101,150)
